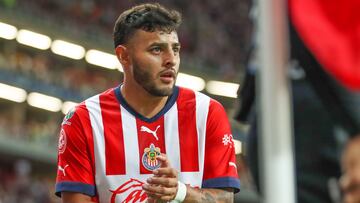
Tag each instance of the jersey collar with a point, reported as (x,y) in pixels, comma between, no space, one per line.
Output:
(169,103)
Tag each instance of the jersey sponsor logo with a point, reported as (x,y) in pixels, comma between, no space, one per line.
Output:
(62,141)
(149,160)
(67,117)
(131,192)
(227,140)
(146,129)
(63,169)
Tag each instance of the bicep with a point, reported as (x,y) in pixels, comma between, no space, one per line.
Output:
(72,197)
(219,164)
(75,166)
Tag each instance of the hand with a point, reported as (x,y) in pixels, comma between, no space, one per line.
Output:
(163,186)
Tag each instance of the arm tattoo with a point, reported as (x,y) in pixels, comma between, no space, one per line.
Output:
(215,196)
(207,197)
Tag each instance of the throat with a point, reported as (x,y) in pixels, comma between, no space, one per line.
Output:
(144,104)
(149,109)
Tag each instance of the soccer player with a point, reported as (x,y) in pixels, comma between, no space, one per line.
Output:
(147,140)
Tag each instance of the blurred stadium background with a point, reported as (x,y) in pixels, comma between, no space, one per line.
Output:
(55,53)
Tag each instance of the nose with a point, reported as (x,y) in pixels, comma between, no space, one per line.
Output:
(170,59)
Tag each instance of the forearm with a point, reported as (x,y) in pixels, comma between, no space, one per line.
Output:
(209,195)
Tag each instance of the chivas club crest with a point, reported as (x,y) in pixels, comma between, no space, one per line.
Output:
(149,157)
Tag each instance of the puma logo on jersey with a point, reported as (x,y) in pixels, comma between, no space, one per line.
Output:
(232,164)
(63,169)
(146,129)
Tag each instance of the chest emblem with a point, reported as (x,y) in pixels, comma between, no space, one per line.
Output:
(149,160)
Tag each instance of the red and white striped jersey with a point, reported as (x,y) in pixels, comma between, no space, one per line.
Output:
(107,150)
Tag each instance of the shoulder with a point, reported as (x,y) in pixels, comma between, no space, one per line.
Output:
(192,95)
(187,96)
(81,111)
(93,103)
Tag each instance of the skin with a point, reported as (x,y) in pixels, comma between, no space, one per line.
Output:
(147,59)
(151,62)
(350,181)
(162,187)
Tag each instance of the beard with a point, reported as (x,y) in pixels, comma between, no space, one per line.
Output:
(144,79)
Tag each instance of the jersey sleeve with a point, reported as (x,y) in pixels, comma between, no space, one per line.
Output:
(219,166)
(75,171)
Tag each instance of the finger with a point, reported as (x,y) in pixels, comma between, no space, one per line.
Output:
(150,199)
(158,191)
(163,181)
(164,162)
(156,198)
(169,172)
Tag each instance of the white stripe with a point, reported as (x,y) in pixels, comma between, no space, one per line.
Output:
(192,178)
(131,143)
(202,109)
(171,131)
(93,106)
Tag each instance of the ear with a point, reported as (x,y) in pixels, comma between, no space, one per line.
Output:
(122,54)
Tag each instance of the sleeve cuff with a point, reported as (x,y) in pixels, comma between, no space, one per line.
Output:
(86,189)
(222,182)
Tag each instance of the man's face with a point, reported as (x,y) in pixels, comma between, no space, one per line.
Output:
(155,60)
(350,181)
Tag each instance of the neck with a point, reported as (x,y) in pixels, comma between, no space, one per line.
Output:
(142,101)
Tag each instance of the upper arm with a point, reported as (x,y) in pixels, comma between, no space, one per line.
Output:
(220,163)
(75,166)
(71,197)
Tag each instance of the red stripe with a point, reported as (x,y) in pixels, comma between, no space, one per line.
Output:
(113,133)
(90,139)
(83,115)
(146,138)
(188,137)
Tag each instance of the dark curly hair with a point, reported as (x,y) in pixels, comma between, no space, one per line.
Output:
(148,17)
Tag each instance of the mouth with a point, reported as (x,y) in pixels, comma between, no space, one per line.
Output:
(167,76)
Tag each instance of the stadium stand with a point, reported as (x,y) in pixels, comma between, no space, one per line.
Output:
(214,43)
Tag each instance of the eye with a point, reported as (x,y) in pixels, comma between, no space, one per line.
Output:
(176,49)
(155,50)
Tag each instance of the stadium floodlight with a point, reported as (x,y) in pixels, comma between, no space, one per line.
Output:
(103,59)
(190,81)
(225,89)
(67,105)
(44,102)
(68,49)
(33,39)
(7,31)
(12,93)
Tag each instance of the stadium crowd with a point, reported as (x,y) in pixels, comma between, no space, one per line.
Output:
(212,39)
(18,184)
(53,70)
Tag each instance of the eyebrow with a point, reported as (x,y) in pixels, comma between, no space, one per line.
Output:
(177,44)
